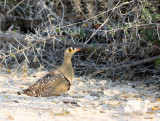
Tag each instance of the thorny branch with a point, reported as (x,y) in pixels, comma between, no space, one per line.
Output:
(118,35)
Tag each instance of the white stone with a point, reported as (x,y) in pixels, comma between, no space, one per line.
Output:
(80,104)
(103,82)
(136,107)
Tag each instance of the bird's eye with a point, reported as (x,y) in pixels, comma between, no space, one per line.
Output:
(70,50)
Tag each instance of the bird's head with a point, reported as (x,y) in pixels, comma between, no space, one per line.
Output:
(70,51)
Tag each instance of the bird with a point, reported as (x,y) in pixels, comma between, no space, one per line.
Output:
(55,82)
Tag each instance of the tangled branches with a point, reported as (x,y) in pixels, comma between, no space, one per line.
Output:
(113,35)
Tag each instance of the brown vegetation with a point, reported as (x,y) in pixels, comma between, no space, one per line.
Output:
(119,39)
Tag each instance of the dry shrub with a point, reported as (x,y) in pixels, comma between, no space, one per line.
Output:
(113,35)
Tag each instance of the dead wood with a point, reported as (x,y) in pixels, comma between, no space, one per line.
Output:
(123,66)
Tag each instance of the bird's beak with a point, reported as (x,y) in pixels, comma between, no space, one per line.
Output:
(77,49)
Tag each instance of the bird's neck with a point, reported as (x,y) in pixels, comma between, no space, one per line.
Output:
(66,68)
(67,61)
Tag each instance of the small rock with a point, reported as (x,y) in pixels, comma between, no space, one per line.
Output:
(103,82)
(80,104)
(94,93)
(135,107)
(15,101)
(91,83)
(60,103)
(102,88)
(102,111)
(70,101)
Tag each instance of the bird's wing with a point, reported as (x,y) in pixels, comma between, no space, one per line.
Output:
(52,84)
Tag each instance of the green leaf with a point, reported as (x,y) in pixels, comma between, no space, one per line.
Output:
(13,55)
(57,30)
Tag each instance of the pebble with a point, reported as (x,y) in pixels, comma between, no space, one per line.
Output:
(94,93)
(70,101)
(80,104)
(136,107)
(103,82)
(102,111)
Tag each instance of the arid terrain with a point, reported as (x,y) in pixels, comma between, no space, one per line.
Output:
(88,100)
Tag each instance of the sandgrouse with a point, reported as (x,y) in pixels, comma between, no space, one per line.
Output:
(55,82)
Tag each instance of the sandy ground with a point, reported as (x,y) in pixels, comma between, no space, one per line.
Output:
(87,100)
